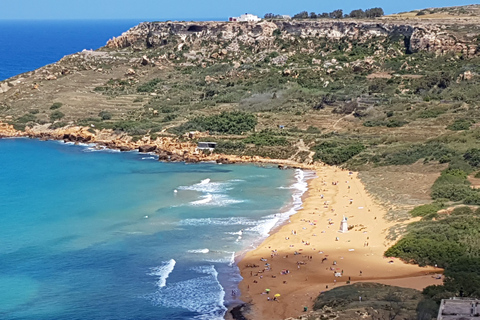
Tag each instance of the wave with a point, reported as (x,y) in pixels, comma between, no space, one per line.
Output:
(217,200)
(199,251)
(218,221)
(203,294)
(149,158)
(163,272)
(207,186)
(300,186)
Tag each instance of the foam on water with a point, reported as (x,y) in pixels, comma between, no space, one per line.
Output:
(217,200)
(202,294)
(218,221)
(199,251)
(267,224)
(206,186)
(162,272)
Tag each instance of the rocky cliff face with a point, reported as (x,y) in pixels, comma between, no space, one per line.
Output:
(430,37)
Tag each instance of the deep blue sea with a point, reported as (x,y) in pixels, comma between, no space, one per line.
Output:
(88,234)
(28,45)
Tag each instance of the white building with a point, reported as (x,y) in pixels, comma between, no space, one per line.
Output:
(245,17)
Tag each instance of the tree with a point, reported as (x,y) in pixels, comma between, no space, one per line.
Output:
(472,156)
(313,15)
(374,12)
(269,16)
(323,15)
(336,14)
(359,13)
(301,15)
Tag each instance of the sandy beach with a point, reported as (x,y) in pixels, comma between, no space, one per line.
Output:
(309,254)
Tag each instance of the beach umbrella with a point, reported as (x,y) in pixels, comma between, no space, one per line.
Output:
(267,290)
(277,295)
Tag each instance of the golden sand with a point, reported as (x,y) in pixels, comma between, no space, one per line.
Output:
(309,255)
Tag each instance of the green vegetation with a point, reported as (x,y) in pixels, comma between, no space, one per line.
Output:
(335,153)
(387,302)
(427,210)
(56,105)
(225,123)
(56,115)
(105,115)
(149,86)
(460,124)
(266,138)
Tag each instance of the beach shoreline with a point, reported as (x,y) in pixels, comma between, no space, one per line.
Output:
(307,254)
(346,197)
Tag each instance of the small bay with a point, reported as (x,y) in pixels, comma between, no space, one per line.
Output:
(91,234)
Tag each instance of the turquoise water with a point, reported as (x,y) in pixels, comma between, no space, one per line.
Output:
(109,235)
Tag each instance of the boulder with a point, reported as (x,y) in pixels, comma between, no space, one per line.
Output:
(147,148)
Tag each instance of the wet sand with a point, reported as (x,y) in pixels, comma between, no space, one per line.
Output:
(309,255)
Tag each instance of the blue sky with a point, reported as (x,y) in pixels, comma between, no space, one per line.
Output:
(192,9)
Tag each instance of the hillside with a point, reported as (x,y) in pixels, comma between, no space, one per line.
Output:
(368,94)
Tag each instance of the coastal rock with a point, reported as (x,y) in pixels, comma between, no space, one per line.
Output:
(413,36)
(147,148)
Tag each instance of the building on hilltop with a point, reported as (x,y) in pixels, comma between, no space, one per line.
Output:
(459,309)
(245,17)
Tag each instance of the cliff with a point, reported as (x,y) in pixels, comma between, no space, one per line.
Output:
(431,37)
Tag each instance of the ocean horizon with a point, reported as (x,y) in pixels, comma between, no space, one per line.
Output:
(91,234)
(31,44)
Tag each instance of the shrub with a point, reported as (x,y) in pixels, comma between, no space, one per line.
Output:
(105,115)
(430,113)
(56,115)
(426,209)
(460,124)
(473,198)
(229,146)
(453,192)
(57,125)
(459,211)
(413,153)
(26,118)
(227,122)
(266,138)
(56,105)
(472,156)
(149,86)
(335,153)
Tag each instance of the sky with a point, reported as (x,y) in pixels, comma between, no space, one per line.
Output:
(157,10)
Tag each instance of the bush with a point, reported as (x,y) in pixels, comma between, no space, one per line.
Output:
(459,211)
(266,138)
(472,156)
(28,117)
(149,86)
(335,153)
(56,115)
(430,113)
(426,209)
(136,127)
(229,146)
(473,198)
(460,124)
(56,105)
(413,153)
(57,125)
(227,122)
(105,115)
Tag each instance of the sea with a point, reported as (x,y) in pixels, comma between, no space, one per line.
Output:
(98,234)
